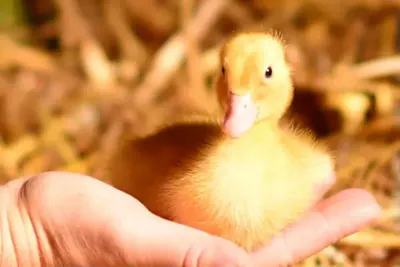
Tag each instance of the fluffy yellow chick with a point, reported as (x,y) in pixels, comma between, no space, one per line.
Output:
(242,178)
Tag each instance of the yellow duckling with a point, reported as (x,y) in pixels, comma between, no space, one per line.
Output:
(243,178)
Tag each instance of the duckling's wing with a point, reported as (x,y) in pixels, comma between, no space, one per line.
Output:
(142,166)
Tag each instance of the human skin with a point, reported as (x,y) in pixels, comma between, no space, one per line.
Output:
(65,219)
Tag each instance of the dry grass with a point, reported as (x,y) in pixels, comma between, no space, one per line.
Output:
(123,66)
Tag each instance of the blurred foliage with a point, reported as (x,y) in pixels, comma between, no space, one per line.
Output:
(12,16)
(11,13)
(76,76)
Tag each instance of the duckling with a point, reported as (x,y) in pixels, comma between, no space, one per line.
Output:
(242,177)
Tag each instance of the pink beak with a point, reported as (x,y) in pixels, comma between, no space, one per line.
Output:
(241,115)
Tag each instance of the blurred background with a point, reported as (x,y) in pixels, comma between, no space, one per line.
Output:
(76,76)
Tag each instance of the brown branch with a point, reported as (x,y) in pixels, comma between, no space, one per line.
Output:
(169,58)
(154,16)
(14,54)
(76,33)
(194,69)
(131,46)
(377,68)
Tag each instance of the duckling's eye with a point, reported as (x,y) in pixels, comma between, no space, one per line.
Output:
(268,73)
(223,70)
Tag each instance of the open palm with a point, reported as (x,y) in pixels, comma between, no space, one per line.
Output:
(74,220)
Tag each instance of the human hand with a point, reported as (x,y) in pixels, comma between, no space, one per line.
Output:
(65,219)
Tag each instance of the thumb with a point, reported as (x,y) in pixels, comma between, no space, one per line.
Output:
(100,225)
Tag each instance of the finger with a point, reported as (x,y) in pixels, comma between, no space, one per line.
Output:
(334,218)
(164,243)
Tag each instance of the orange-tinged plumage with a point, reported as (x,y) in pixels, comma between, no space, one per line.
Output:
(243,178)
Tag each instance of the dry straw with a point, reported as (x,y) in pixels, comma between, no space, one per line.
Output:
(124,66)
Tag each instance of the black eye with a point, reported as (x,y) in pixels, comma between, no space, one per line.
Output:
(268,73)
(223,70)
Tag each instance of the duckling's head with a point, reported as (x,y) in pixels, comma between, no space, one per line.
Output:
(254,82)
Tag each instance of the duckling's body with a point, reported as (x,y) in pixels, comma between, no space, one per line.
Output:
(244,188)
(192,174)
